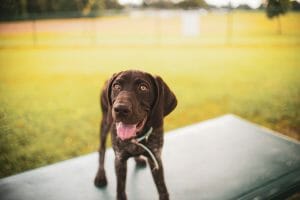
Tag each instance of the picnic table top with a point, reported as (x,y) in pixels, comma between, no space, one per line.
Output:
(222,158)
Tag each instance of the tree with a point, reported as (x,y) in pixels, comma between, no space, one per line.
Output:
(275,8)
(9,8)
(295,6)
(191,4)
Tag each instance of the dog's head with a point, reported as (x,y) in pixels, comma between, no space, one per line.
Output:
(137,98)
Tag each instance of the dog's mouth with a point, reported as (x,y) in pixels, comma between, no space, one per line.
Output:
(127,131)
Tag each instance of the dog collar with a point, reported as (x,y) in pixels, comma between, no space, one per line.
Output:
(145,137)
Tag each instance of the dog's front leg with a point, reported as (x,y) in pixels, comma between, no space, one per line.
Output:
(121,170)
(158,176)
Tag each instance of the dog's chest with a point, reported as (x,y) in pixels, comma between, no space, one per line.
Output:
(129,148)
(126,147)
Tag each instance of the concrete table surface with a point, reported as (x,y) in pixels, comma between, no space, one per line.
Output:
(223,158)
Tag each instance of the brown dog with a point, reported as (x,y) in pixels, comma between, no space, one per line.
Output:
(134,104)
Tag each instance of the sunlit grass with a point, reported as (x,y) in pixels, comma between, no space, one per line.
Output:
(49,103)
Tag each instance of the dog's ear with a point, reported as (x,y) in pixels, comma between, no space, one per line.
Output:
(105,98)
(165,101)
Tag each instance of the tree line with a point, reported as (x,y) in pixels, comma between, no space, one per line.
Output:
(24,9)
(28,9)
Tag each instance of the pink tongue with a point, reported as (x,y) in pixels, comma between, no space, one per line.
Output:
(126,131)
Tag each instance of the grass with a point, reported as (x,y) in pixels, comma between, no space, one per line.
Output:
(49,95)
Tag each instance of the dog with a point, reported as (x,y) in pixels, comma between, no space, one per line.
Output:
(134,104)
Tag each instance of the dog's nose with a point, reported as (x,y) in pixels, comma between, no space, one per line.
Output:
(122,109)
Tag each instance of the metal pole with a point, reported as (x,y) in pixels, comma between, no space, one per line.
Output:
(93,30)
(229,25)
(34,31)
(158,28)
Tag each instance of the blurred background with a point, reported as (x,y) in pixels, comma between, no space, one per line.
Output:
(218,56)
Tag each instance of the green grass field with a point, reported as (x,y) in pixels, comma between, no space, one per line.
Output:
(49,103)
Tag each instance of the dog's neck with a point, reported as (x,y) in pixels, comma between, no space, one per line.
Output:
(145,136)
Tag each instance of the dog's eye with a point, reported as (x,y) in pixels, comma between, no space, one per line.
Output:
(143,87)
(117,86)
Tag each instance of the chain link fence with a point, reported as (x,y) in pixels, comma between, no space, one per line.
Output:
(151,27)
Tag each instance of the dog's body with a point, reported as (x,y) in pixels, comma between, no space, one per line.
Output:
(134,104)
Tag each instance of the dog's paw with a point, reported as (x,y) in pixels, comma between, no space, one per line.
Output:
(121,196)
(140,161)
(164,196)
(100,180)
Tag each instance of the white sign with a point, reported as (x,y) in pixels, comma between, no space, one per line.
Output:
(190,23)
